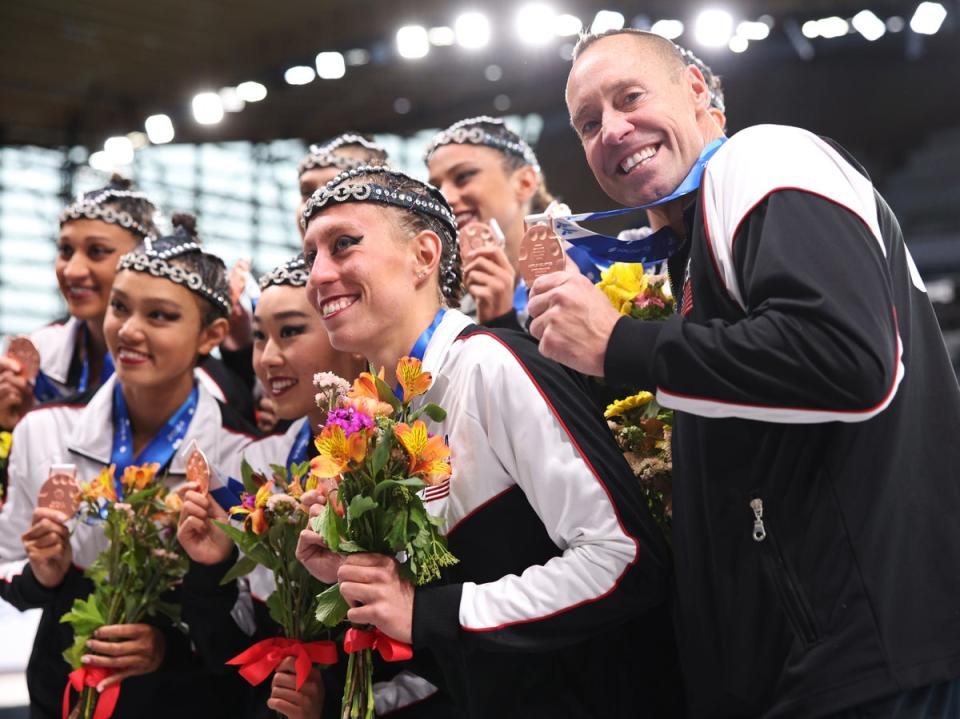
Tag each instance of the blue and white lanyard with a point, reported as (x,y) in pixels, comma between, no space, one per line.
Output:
(160,449)
(298,452)
(649,250)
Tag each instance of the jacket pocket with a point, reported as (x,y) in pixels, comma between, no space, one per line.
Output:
(792,599)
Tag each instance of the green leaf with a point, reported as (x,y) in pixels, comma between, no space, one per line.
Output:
(280,471)
(386,394)
(412,483)
(246,474)
(360,505)
(237,535)
(434,412)
(382,453)
(242,568)
(329,528)
(331,607)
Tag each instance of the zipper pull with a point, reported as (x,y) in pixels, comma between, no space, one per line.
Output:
(759,531)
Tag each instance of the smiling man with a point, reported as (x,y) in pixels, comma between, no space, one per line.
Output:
(815,494)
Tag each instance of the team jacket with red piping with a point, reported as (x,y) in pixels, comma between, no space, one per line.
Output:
(80,432)
(555,606)
(815,447)
(226,619)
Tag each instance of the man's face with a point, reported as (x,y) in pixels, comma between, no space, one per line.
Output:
(640,117)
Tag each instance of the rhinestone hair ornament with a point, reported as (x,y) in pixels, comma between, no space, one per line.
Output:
(92,207)
(425,200)
(154,258)
(326,155)
(293,272)
(471,132)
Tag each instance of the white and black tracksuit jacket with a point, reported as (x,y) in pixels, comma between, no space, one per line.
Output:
(554,607)
(816,462)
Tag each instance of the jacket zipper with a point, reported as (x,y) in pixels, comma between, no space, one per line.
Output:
(796,609)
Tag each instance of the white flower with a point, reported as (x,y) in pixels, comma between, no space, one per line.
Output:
(331,386)
(277,499)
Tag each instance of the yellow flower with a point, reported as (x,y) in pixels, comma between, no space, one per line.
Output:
(136,478)
(101,487)
(621,283)
(337,451)
(428,455)
(622,406)
(6,440)
(412,378)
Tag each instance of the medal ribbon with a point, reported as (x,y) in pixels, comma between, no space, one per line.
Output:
(420,346)
(45,390)
(161,448)
(298,452)
(648,250)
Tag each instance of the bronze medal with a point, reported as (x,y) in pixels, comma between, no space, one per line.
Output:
(61,491)
(24,352)
(198,469)
(540,253)
(474,236)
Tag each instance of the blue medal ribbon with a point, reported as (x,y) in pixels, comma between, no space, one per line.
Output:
(298,452)
(654,248)
(45,390)
(160,449)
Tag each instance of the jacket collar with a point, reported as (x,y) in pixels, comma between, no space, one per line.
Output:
(57,345)
(93,435)
(450,327)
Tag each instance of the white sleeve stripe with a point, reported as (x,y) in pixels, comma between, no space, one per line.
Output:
(717,409)
(765,159)
(600,573)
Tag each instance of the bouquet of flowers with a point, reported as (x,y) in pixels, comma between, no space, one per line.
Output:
(272,521)
(375,455)
(642,427)
(142,562)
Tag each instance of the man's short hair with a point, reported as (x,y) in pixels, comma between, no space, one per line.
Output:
(668,50)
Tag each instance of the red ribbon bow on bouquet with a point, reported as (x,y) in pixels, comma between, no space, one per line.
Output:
(390,649)
(261,660)
(90,677)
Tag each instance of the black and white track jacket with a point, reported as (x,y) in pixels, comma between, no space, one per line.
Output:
(816,461)
(556,606)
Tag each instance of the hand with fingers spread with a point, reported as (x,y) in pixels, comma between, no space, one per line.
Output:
(303,703)
(203,541)
(490,279)
(47,544)
(371,585)
(16,392)
(312,550)
(573,321)
(128,649)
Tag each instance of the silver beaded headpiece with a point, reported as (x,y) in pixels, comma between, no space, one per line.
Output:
(326,155)
(293,272)
(156,262)
(425,200)
(92,208)
(471,132)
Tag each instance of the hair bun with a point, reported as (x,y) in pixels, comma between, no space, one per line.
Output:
(119,182)
(186,222)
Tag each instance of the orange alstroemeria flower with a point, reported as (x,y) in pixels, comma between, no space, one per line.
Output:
(428,455)
(364,397)
(413,380)
(253,508)
(101,487)
(136,478)
(258,521)
(337,451)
